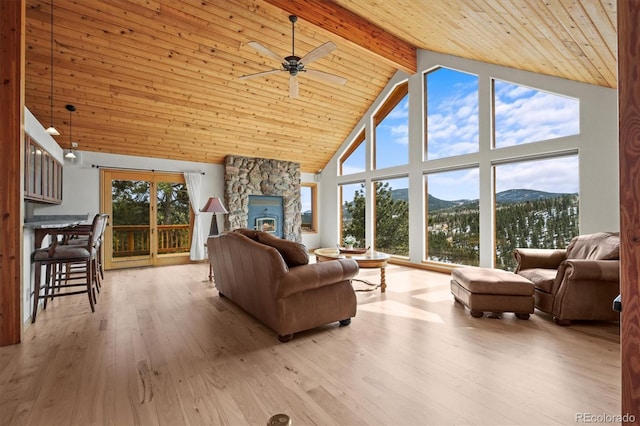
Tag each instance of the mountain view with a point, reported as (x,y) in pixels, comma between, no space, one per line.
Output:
(524,218)
(504,197)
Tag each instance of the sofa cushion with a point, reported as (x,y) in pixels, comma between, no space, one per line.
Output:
(249,233)
(598,246)
(492,281)
(541,277)
(294,254)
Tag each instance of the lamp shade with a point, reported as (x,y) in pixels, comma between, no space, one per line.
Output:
(52,131)
(215,206)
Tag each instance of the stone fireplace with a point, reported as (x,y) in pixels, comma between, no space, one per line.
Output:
(245,176)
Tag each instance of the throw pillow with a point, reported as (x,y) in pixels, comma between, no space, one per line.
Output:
(294,254)
(249,233)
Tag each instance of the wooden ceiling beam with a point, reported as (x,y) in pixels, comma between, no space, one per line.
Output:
(346,24)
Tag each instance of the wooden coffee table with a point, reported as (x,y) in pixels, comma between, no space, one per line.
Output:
(376,260)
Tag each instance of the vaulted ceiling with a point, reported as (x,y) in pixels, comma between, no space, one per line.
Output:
(160,78)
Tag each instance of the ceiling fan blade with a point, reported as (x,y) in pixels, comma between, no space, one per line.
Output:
(258,74)
(326,77)
(293,86)
(318,52)
(260,48)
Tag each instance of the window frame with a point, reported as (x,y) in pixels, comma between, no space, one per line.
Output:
(397,94)
(314,207)
(357,142)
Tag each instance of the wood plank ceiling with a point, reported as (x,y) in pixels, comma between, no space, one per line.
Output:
(159,78)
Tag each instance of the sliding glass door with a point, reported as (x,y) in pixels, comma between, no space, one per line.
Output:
(150,219)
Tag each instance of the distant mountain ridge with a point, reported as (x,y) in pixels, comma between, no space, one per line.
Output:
(522,195)
(510,196)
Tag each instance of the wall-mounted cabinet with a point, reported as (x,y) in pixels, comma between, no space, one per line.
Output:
(42,174)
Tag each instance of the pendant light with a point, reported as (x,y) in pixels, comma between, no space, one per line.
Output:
(70,154)
(52,130)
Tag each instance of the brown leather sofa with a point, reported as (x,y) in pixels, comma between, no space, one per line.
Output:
(576,283)
(271,279)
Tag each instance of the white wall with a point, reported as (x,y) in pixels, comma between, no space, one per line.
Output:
(81,180)
(37,132)
(597,147)
(81,183)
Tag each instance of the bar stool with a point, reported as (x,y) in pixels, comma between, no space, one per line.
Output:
(79,235)
(58,258)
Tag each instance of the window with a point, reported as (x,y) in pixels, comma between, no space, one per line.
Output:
(453,217)
(151,221)
(391,124)
(524,115)
(352,198)
(452,113)
(353,160)
(530,180)
(173,217)
(309,200)
(536,206)
(392,216)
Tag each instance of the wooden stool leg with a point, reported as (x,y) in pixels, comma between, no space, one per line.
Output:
(36,293)
(90,285)
(50,275)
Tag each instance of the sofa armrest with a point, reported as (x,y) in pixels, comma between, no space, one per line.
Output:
(316,275)
(539,258)
(593,270)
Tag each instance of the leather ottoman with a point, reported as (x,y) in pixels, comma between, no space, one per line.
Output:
(492,290)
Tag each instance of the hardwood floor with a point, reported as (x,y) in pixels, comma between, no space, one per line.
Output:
(163,348)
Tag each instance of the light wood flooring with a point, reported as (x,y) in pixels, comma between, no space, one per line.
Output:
(163,348)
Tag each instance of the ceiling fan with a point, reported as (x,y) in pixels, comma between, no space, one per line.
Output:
(295,64)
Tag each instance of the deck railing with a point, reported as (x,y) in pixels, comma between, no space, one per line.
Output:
(134,240)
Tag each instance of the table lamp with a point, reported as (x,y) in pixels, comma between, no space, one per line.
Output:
(215,206)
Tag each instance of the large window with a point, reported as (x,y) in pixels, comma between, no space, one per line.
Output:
(392,216)
(391,129)
(522,156)
(536,206)
(453,217)
(452,113)
(353,160)
(353,204)
(525,115)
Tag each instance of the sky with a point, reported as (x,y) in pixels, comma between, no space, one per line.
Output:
(522,115)
(305,197)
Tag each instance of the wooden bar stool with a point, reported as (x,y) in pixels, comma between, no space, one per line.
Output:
(61,279)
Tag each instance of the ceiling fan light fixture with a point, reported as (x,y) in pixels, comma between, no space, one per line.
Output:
(294,64)
(71,155)
(52,131)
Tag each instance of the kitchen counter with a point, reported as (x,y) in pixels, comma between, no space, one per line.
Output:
(42,225)
(36,228)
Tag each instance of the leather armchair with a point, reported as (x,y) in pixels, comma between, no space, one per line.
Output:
(576,283)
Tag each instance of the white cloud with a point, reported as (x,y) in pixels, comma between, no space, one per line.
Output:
(452,125)
(348,170)
(525,115)
(454,185)
(401,134)
(554,175)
